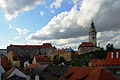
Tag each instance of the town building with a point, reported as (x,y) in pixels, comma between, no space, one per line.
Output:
(13,59)
(90,46)
(111,63)
(32,50)
(66,53)
(42,60)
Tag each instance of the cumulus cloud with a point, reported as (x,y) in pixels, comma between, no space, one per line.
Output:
(70,24)
(11,8)
(76,22)
(56,4)
(19,30)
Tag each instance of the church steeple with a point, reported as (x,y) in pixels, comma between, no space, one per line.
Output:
(92,34)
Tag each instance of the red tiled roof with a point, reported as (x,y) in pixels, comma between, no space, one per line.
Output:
(45,45)
(77,73)
(59,51)
(99,74)
(87,44)
(76,52)
(114,60)
(4,61)
(32,66)
(42,59)
(108,60)
(99,63)
(31,46)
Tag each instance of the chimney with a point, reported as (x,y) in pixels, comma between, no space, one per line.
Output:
(117,54)
(111,54)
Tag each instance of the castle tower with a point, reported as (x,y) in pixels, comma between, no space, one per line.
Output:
(92,34)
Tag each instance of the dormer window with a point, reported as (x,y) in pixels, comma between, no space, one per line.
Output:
(117,55)
(111,54)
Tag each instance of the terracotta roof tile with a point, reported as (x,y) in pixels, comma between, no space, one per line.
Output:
(32,66)
(114,60)
(42,59)
(78,73)
(76,52)
(45,45)
(4,61)
(87,44)
(59,51)
(99,74)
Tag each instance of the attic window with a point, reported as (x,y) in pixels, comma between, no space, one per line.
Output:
(117,55)
(111,54)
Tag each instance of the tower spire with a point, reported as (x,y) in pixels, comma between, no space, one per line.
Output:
(92,23)
(92,34)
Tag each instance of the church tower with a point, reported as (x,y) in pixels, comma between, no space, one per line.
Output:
(92,34)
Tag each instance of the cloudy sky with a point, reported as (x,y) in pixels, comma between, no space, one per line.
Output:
(64,23)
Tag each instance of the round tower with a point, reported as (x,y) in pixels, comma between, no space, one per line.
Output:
(92,34)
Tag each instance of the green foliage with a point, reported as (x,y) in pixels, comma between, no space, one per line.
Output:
(58,60)
(10,63)
(83,60)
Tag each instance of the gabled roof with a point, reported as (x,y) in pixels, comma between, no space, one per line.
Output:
(4,61)
(114,60)
(86,44)
(52,72)
(99,74)
(76,73)
(42,59)
(13,71)
(87,73)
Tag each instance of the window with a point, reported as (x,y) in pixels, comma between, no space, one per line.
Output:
(111,54)
(117,55)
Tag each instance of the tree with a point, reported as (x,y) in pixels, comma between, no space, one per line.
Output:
(62,59)
(56,60)
(110,47)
